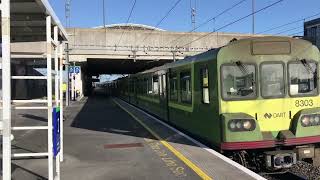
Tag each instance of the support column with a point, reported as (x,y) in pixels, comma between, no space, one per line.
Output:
(49,96)
(61,102)
(67,68)
(6,90)
(56,87)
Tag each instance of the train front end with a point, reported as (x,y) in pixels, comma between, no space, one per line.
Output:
(269,101)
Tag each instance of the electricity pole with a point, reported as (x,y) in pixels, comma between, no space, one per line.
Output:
(104,13)
(253,18)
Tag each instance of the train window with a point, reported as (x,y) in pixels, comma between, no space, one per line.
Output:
(204,75)
(149,86)
(155,85)
(272,80)
(238,81)
(173,87)
(303,78)
(185,83)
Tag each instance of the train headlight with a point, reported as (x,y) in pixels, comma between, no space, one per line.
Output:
(310,120)
(247,125)
(232,125)
(237,125)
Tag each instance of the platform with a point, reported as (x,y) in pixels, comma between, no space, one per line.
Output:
(107,138)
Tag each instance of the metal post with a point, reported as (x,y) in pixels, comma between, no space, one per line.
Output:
(6,90)
(253,17)
(104,13)
(56,86)
(73,94)
(61,102)
(67,68)
(49,96)
(56,64)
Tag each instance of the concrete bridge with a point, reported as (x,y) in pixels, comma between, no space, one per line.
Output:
(119,49)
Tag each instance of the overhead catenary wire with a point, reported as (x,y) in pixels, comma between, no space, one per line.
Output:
(163,18)
(289,23)
(233,22)
(288,30)
(127,21)
(296,33)
(211,19)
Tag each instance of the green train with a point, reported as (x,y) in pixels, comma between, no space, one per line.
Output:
(256,100)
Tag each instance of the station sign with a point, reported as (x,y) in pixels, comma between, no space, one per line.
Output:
(56,130)
(74,69)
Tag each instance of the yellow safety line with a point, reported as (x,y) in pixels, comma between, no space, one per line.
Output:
(194,167)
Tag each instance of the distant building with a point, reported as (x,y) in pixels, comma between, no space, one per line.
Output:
(312,31)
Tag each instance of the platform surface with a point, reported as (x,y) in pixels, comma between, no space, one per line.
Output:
(104,141)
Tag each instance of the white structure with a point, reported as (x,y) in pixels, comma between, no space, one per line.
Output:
(31,21)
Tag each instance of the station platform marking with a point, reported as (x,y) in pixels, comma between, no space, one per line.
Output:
(190,164)
(204,147)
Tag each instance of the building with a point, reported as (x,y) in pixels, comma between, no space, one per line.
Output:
(312,31)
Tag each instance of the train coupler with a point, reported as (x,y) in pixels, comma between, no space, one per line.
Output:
(280,159)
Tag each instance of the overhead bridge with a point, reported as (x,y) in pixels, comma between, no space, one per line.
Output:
(130,48)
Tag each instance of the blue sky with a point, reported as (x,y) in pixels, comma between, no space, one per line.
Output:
(88,13)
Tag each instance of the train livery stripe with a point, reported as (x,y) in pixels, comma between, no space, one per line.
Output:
(191,165)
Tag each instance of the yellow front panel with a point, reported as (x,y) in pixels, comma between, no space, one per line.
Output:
(272,114)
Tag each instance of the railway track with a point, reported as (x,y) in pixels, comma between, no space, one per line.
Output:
(284,176)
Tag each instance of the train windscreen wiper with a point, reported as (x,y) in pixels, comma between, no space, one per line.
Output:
(307,66)
(242,67)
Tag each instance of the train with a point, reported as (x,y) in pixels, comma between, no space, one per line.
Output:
(256,100)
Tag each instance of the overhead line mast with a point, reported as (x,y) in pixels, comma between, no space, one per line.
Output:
(67,12)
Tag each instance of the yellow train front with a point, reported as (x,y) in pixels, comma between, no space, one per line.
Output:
(256,100)
(269,100)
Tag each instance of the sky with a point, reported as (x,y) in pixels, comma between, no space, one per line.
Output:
(89,13)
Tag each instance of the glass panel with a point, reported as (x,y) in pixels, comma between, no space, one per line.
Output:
(149,86)
(164,85)
(238,81)
(205,95)
(205,85)
(272,80)
(155,85)
(303,78)
(173,87)
(185,81)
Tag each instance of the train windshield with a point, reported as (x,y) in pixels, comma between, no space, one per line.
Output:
(238,81)
(303,78)
(272,80)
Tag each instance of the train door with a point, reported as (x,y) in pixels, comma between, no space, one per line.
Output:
(163,97)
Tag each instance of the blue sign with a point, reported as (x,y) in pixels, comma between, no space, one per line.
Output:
(77,69)
(56,130)
(74,69)
(71,69)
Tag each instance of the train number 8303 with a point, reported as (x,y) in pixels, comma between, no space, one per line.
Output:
(304,103)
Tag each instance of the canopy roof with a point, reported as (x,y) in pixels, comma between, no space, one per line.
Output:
(28,20)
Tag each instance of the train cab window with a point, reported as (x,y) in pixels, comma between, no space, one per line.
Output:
(238,81)
(185,84)
(155,85)
(173,87)
(272,80)
(204,75)
(303,78)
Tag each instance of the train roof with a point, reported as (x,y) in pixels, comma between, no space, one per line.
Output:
(212,52)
